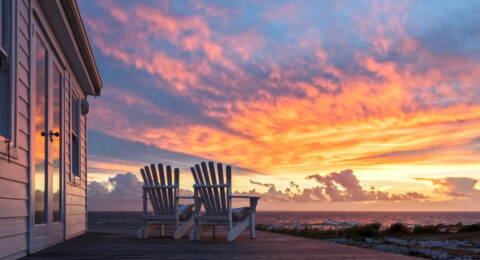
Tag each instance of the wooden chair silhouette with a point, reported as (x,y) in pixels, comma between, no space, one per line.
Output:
(213,190)
(164,198)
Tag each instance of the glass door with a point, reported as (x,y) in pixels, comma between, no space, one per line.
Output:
(47,179)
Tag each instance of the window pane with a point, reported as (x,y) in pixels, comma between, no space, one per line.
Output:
(57,77)
(4,106)
(2,22)
(75,115)
(75,138)
(40,127)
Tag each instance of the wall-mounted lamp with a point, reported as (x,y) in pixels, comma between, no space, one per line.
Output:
(85,106)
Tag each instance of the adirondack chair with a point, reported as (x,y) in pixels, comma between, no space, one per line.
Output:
(213,190)
(164,197)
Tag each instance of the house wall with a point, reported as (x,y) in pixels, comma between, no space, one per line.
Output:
(75,187)
(75,212)
(14,175)
(15,172)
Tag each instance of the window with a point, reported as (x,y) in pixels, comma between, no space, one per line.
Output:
(5,88)
(75,116)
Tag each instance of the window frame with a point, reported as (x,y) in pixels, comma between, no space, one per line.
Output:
(8,139)
(74,96)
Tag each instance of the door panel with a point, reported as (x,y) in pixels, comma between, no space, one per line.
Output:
(40,132)
(47,182)
(55,144)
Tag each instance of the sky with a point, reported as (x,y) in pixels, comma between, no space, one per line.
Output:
(317,105)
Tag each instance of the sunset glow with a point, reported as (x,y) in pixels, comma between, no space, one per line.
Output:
(361,105)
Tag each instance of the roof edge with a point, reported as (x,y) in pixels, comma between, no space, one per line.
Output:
(74,18)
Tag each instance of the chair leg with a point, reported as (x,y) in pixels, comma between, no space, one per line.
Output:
(181,230)
(145,230)
(252,225)
(238,229)
(141,233)
(162,230)
(195,234)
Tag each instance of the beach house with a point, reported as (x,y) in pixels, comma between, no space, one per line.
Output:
(47,72)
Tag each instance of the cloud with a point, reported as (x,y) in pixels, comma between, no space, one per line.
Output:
(307,195)
(97,189)
(270,88)
(335,187)
(123,192)
(207,82)
(109,155)
(344,186)
(453,186)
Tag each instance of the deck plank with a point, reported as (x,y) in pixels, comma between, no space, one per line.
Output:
(109,240)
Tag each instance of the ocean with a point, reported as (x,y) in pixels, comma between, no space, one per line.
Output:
(335,219)
(322,219)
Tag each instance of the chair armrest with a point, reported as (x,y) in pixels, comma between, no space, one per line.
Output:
(149,187)
(253,201)
(185,197)
(245,197)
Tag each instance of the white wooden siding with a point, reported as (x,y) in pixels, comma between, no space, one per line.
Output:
(14,174)
(75,187)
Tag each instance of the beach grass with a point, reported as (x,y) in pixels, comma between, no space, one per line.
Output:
(431,241)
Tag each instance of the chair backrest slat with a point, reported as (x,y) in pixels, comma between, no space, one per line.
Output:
(163,200)
(153,195)
(229,174)
(216,193)
(205,195)
(211,195)
(156,192)
(176,175)
(149,192)
(213,189)
(222,189)
(170,191)
(161,174)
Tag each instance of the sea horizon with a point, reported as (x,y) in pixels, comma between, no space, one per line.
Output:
(259,210)
(327,219)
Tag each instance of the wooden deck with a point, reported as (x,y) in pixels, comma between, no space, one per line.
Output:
(118,241)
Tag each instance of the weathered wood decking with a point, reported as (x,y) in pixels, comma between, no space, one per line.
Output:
(117,241)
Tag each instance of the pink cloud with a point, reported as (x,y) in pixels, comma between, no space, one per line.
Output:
(334,187)
(453,186)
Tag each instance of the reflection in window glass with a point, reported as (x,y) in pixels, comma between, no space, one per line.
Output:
(40,130)
(5,108)
(57,77)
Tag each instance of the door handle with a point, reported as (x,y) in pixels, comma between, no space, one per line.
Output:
(52,134)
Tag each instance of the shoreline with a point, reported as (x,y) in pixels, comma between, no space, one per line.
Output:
(430,241)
